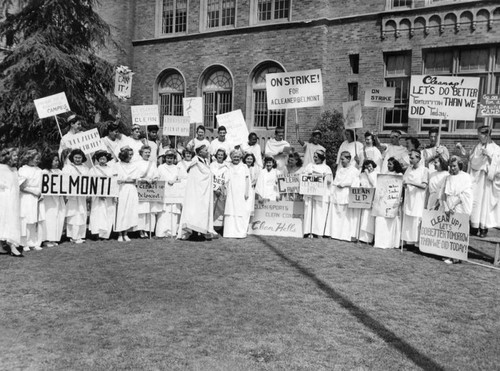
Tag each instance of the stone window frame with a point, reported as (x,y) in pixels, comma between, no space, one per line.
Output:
(159,19)
(391,4)
(204,18)
(254,13)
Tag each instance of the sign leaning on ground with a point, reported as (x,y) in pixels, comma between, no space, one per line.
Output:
(443,97)
(380,97)
(353,115)
(193,107)
(387,195)
(88,141)
(145,115)
(176,125)
(51,105)
(489,106)
(237,130)
(79,185)
(294,89)
(151,191)
(445,234)
(280,218)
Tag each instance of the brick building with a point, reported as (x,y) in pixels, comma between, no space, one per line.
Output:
(222,49)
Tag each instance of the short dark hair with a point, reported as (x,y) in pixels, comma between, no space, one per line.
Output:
(249,154)
(270,159)
(125,153)
(222,127)
(75,152)
(433,130)
(414,141)
(398,169)
(184,151)
(200,127)
(443,163)
(297,157)
(346,154)
(368,162)
(223,151)
(6,154)
(48,158)
(279,128)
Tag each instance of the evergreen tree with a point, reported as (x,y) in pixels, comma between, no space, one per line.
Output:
(52,48)
(331,124)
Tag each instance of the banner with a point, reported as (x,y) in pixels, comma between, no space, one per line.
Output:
(353,116)
(145,115)
(237,130)
(193,107)
(123,82)
(445,235)
(289,184)
(51,105)
(176,125)
(79,185)
(174,194)
(443,97)
(88,141)
(489,106)
(380,97)
(313,185)
(361,198)
(387,195)
(150,192)
(294,89)
(281,218)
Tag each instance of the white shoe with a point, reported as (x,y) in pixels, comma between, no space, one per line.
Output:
(79,241)
(26,248)
(120,239)
(38,248)
(126,238)
(49,244)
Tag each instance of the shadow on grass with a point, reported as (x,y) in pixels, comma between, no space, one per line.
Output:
(361,315)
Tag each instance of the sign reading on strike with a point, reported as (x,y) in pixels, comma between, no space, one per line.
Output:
(353,116)
(51,105)
(443,97)
(151,191)
(489,106)
(88,141)
(193,107)
(313,185)
(79,185)
(380,97)
(281,218)
(176,125)
(294,89)
(361,198)
(123,83)
(387,195)
(289,184)
(237,131)
(445,235)
(145,115)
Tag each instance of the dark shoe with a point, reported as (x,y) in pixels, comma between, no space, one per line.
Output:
(473,231)
(17,256)
(483,232)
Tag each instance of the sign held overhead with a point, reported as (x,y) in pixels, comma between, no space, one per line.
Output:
(52,105)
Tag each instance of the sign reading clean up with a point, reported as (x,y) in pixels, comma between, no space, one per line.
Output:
(176,125)
(380,97)
(145,115)
(443,97)
(88,141)
(361,198)
(51,105)
(294,89)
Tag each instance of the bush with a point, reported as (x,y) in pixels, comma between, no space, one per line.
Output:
(331,125)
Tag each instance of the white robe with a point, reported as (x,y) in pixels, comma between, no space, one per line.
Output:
(112,146)
(76,207)
(168,218)
(55,212)
(436,183)
(388,230)
(254,175)
(267,185)
(371,153)
(316,207)
(399,152)
(354,148)
(366,220)
(102,209)
(216,144)
(414,203)
(10,225)
(431,152)
(309,150)
(458,191)
(257,152)
(275,149)
(127,214)
(136,145)
(31,212)
(236,212)
(147,210)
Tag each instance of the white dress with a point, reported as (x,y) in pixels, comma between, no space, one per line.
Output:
(76,207)
(147,210)
(102,209)
(371,153)
(10,219)
(219,172)
(127,210)
(436,183)
(236,212)
(274,149)
(257,152)
(367,221)
(168,218)
(388,230)
(31,212)
(414,203)
(55,212)
(254,175)
(316,207)
(458,191)
(400,153)
(354,148)
(267,185)
(309,150)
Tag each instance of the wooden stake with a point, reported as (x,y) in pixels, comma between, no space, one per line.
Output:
(58,126)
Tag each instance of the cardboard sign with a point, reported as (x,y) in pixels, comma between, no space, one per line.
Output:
(289,184)
(237,130)
(313,185)
(294,89)
(150,192)
(444,235)
(51,105)
(193,107)
(380,97)
(281,218)
(361,198)
(489,106)
(174,194)
(353,116)
(79,185)
(443,97)
(88,141)
(176,125)
(219,181)
(145,115)
(123,84)
(387,195)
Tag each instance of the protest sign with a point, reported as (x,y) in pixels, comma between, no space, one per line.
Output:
(294,89)
(88,141)
(176,125)
(289,184)
(353,116)
(380,97)
(79,185)
(445,235)
(51,105)
(193,107)
(219,181)
(150,191)
(145,115)
(174,194)
(237,130)
(123,82)
(361,198)
(313,185)
(443,97)
(280,218)
(489,106)
(387,195)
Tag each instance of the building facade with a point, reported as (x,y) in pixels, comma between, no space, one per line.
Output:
(221,50)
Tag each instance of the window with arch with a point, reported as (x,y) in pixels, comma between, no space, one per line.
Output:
(170,94)
(262,116)
(217,90)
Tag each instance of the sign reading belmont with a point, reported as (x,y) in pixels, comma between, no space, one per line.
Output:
(79,185)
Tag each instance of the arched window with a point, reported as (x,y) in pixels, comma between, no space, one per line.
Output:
(217,92)
(262,117)
(170,94)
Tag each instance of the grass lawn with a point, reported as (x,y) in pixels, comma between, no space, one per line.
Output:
(255,304)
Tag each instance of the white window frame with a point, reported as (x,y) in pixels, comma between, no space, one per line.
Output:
(204,17)
(254,17)
(389,5)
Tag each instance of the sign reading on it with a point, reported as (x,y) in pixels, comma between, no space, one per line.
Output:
(361,198)
(51,105)
(380,97)
(150,191)
(79,185)
(88,141)
(445,235)
(313,185)
(176,125)
(294,89)
(353,115)
(281,218)
(387,195)
(443,97)
(237,131)
(193,107)
(289,184)
(145,115)
(489,106)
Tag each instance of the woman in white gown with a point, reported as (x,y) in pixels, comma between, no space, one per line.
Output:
(168,218)
(367,179)
(250,160)
(436,182)
(266,188)
(219,170)
(148,172)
